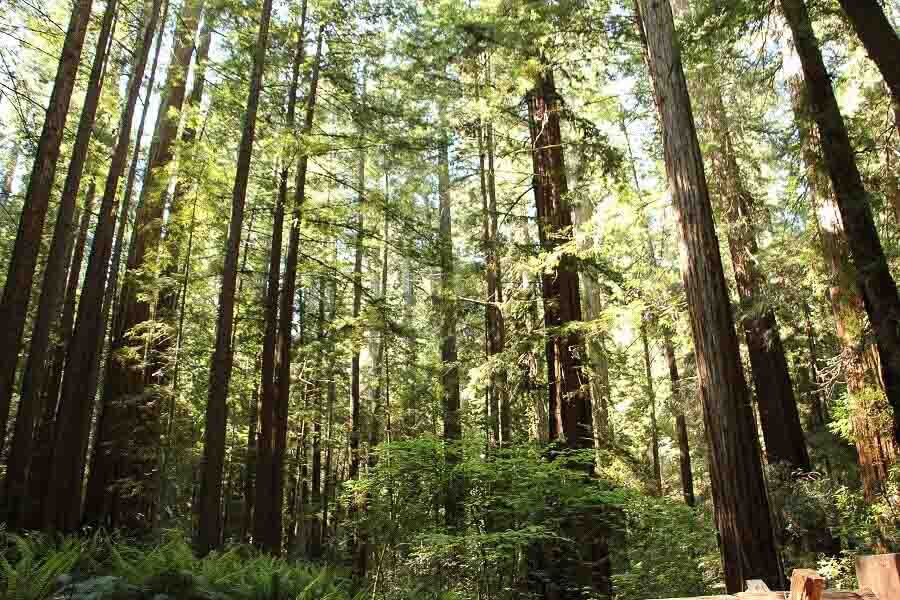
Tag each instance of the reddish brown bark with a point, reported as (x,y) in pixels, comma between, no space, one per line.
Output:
(286,307)
(782,432)
(739,492)
(23,262)
(209,531)
(62,510)
(879,38)
(51,291)
(876,449)
(873,275)
(265,534)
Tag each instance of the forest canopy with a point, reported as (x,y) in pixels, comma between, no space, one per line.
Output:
(464,299)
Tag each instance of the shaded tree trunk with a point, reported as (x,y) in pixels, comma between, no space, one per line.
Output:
(210,524)
(264,533)
(131,412)
(23,262)
(874,279)
(62,509)
(52,288)
(684,449)
(9,175)
(586,566)
(880,40)
(739,492)
(875,446)
(39,473)
(449,363)
(782,432)
(651,398)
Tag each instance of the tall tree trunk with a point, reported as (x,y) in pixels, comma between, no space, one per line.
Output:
(875,446)
(210,524)
(358,545)
(131,413)
(880,40)
(449,363)
(23,262)
(315,523)
(739,492)
(287,307)
(571,416)
(62,510)
(782,432)
(264,533)
(684,449)
(876,284)
(39,473)
(498,393)
(51,290)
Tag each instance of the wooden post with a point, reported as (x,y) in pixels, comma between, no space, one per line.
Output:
(881,574)
(806,584)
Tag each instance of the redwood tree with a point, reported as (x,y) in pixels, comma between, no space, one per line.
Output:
(210,524)
(62,508)
(739,492)
(873,275)
(23,262)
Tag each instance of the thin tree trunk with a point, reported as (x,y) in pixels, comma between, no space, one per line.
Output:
(133,427)
(571,415)
(264,532)
(876,284)
(684,449)
(51,290)
(739,492)
(358,545)
(9,175)
(23,262)
(782,432)
(62,510)
(210,525)
(449,362)
(651,398)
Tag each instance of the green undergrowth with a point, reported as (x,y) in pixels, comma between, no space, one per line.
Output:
(38,567)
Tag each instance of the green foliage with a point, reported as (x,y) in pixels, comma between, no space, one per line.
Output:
(35,567)
(669,550)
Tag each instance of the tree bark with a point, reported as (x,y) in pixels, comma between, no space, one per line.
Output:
(39,473)
(875,446)
(739,492)
(651,397)
(498,394)
(23,262)
(53,282)
(210,524)
(879,39)
(684,449)
(131,413)
(782,432)
(264,533)
(571,416)
(876,284)
(287,307)
(9,175)
(62,510)
(449,363)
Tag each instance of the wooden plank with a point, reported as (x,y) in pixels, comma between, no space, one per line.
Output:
(761,595)
(757,585)
(806,584)
(880,573)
